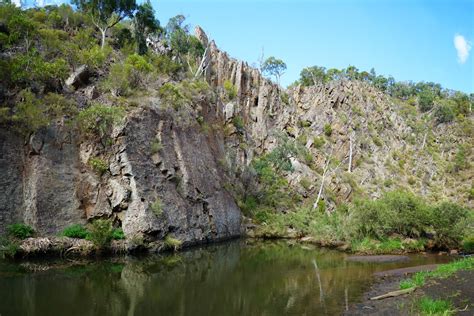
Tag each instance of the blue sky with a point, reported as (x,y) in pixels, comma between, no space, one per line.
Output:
(408,39)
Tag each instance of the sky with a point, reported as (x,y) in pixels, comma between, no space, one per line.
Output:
(408,39)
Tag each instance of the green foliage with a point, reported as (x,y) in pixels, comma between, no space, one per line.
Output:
(273,67)
(312,75)
(238,123)
(442,271)
(468,244)
(100,233)
(327,130)
(156,146)
(125,77)
(98,165)
(157,207)
(425,101)
(75,231)
(171,94)
(163,64)
(9,248)
(98,120)
(319,142)
(144,23)
(118,234)
(444,113)
(460,160)
(397,212)
(386,245)
(449,221)
(429,306)
(106,13)
(94,57)
(230,89)
(172,243)
(20,231)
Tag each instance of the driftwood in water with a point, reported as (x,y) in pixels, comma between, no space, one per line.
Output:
(393,294)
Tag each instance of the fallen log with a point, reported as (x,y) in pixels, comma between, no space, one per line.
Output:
(393,294)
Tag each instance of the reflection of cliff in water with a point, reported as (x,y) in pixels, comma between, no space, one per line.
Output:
(236,278)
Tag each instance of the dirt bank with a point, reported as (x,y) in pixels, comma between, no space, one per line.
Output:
(458,289)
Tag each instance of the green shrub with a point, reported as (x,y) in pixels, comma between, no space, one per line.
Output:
(425,101)
(444,113)
(98,120)
(319,142)
(172,243)
(468,244)
(100,233)
(449,221)
(171,95)
(118,234)
(94,57)
(397,212)
(20,231)
(75,231)
(230,89)
(327,130)
(156,146)
(163,64)
(124,77)
(98,165)
(157,207)
(238,123)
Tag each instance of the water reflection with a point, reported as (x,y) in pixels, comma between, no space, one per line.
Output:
(235,278)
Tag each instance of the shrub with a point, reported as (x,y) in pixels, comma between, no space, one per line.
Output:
(172,243)
(98,165)
(230,89)
(118,234)
(100,233)
(94,57)
(319,142)
(157,207)
(163,64)
(468,244)
(75,231)
(397,212)
(171,94)
(425,101)
(449,221)
(20,231)
(156,146)
(444,113)
(98,120)
(127,76)
(327,130)
(238,123)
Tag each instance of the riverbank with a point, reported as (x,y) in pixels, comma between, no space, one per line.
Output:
(76,247)
(436,289)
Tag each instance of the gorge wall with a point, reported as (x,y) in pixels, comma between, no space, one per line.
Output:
(181,188)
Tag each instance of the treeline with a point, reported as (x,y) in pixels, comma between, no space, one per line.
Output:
(40,47)
(424,94)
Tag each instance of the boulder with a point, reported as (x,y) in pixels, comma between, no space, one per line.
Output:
(80,77)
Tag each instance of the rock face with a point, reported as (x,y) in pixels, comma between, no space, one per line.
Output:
(175,190)
(169,170)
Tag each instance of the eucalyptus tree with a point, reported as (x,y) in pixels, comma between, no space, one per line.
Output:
(105,14)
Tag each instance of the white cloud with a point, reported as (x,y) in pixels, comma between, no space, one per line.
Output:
(462,47)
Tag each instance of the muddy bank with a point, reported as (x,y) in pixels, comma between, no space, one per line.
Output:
(457,288)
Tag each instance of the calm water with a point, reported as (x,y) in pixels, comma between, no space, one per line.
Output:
(234,278)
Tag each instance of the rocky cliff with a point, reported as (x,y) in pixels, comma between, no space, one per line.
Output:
(167,175)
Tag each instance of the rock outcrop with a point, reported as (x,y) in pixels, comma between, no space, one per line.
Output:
(169,170)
